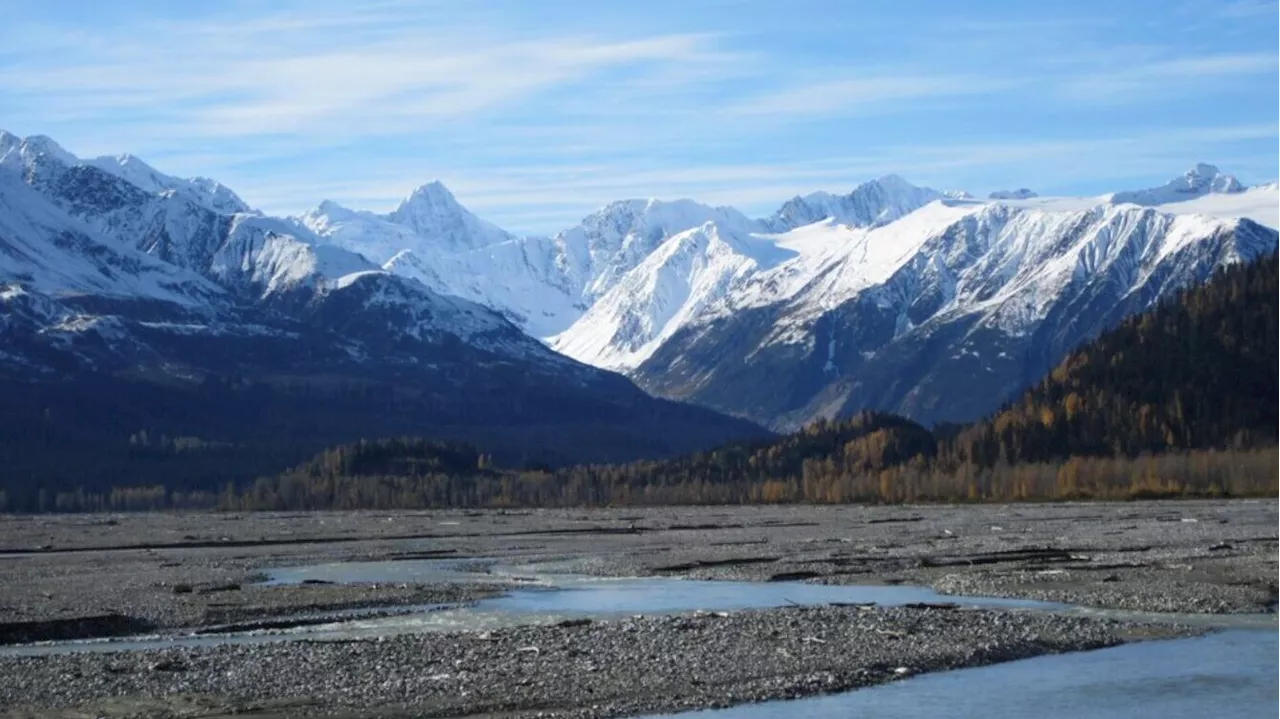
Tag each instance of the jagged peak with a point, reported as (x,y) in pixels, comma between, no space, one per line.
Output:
(44,146)
(331,209)
(136,171)
(892,181)
(672,215)
(433,212)
(1206,176)
(1201,179)
(1022,193)
(433,193)
(871,203)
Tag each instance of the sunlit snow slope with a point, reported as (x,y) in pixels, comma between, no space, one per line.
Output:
(691,299)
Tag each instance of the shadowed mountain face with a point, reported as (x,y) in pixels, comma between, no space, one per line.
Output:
(981,308)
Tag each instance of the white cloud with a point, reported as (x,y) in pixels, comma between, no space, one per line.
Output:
(865,94)
(534,124)
(1140,81)
(1246,9)
(385,87)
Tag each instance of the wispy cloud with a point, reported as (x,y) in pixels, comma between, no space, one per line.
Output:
(543,198)
(866,94)
(396,80)
(533,113)
(1248,9)
(1167,77)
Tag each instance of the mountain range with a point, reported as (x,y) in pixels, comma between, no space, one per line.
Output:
(139,309)
(930,304)
(127,292)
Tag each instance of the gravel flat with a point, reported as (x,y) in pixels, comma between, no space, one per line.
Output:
(601,669)
(173,572)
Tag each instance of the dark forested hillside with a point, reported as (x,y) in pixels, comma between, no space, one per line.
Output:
(425,473)
(1199,371)
(86,437)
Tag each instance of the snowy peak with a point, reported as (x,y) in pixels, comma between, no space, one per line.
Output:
(329,214)
(1019,194)
(661,295)
(434,213)
(28,155)
(427,196)
(331,208)
(1207,178)
(201,190)
(616,238)
(1201,180)
(870,204)
(654,219)
(39,147)
(39,158)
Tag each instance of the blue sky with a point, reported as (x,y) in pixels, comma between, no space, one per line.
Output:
(535,113)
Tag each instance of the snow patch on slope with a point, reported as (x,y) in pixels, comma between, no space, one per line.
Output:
(1260,203)
(666,291)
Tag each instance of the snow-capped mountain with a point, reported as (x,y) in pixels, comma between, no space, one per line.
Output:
(933,304)
(877,202)
(1019,194)
(113,274)
(671,287)
(1199,181)
(207,192)
(543,284)
(428,222)
(675,293)
(940,318)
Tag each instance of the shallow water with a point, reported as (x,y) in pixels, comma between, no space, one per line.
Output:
(547,598)
(1226,675)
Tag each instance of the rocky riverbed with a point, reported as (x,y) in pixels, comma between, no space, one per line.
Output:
(581,669)
(175,573)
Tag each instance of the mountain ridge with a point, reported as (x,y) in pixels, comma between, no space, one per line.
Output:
(691,300)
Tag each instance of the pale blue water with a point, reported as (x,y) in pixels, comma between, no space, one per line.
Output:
(572,594)
(1225,675)
(1228,674)
(547,598)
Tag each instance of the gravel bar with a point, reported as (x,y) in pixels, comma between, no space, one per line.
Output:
(579,669)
